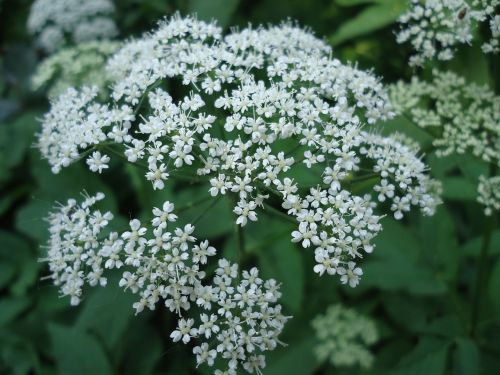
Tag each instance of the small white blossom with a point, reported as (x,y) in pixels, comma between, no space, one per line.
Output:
(97,162)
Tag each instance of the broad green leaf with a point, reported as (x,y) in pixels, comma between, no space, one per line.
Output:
(466,357)
(472,64)
(77,353)
(371,19)
(428,357)
(297,358)
(394,264)
(30,218)
(402,124)
(473,167)
(20,263)
(9,198)
(473,247)
(282,261)
(10,308)
(439,245)
(406,310)
(440,167)
(16,138)
(140,356)
(459,188)
(446,326)
(220,10)
(106,313)
(18,356)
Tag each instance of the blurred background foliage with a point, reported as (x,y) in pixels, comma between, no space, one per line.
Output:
(419,285)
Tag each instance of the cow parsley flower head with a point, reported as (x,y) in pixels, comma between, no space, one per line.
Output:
(59,22)
(253,109)
(75,66)
(344,337)
(435,28)
(74,250)
(463,117)
(233,316)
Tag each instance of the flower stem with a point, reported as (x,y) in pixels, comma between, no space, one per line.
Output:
(208,208)
(276,212)
(240,239)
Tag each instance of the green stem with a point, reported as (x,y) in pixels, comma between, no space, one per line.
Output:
(192,204)
(240,239)
(208,208)
(276,212)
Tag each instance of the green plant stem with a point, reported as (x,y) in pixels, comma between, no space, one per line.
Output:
(208,208)
(276,212)
(192,204)
(240,239)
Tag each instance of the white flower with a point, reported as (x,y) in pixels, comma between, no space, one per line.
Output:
(245,211)
(350,275)
(184,331)
(436,27)
(57,22)
(98,162)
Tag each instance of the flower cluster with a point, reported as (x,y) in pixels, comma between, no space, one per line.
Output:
(238,315)
(344,337)
(436,27)
(489,194)
(74,250)
(462,117)
(75,66)
(57,22)
(258,106)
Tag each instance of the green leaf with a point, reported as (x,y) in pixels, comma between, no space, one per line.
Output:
(473,247)
(19,262)
(440,167)
(473,167)
(107,312)
(30,218)
(10,308)
(138,358)
(282,261)
(297,358)
(439,245)
(77,353)
(394,264)
(371,19)
(466,357)
(406,310)
(459,188)
(428,357)
(220,10)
